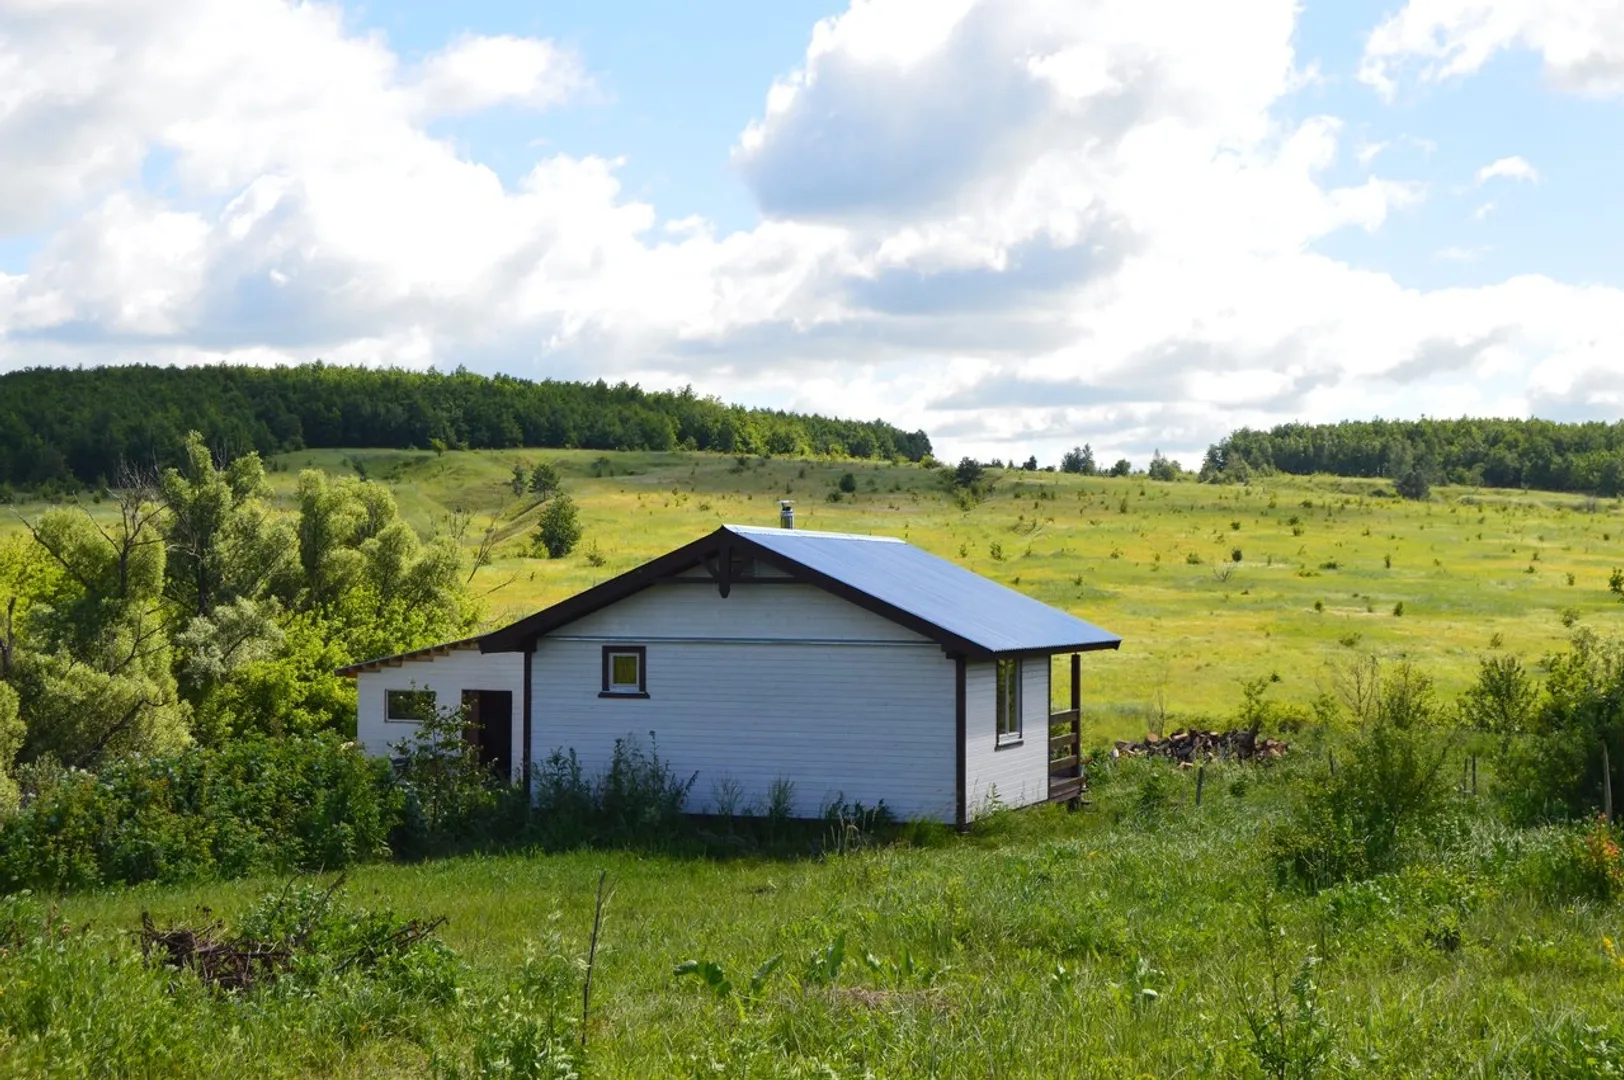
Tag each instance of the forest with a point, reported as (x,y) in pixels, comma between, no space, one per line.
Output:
(1587,458)
(63,430)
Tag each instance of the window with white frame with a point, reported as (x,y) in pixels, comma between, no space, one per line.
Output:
(1009,702)
(408,706)
(625,671)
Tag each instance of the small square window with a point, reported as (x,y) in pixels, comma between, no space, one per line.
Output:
(623,671)
(408,706)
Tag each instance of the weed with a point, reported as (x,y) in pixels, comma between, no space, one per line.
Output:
(1287,1030)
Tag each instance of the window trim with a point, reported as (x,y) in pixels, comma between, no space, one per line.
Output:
(389,716)
(609,653)
(1016,736)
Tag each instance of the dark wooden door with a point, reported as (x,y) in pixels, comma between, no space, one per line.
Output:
(490,718)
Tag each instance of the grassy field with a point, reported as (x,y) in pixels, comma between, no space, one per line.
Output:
(1137,938)
(1323,563)
(1126,941)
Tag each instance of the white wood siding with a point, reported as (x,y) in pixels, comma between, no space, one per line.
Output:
(802,613)
(774,681)
(448,676)
(1018,774)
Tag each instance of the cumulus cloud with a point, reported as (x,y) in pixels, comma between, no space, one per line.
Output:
(1511,168)
(1018,223)
(474,73)
(1581,42)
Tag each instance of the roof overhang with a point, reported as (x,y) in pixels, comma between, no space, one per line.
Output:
(428,652)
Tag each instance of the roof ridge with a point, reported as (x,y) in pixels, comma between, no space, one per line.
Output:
(759,530)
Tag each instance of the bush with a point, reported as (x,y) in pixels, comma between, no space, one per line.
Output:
(638,798)
(1554,771)
(1586,865)
(254,805)
(1390,787)
(450,796)
(558,529)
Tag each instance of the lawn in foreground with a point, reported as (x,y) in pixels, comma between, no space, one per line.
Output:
(1120,941)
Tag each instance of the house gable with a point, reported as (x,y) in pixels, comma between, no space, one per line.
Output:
(964,613)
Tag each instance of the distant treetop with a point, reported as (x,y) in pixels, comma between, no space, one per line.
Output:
(1542,454)
(65,428)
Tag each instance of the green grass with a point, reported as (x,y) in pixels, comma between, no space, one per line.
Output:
(1021,950)
(1115,551)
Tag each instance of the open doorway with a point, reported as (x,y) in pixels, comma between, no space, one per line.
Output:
(490,724)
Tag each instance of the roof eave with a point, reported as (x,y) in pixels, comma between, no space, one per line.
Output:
(1055,650)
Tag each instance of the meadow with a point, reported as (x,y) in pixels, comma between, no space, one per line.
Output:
(1152,933)
(1208,585)
(1139,938)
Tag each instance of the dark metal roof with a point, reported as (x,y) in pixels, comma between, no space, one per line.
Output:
(961,610)
(933,590)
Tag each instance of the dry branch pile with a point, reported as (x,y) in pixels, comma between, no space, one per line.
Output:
(302,923)
(222,963)
(1193,747)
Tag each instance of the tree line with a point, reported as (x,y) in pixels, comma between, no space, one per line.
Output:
(66,429)
(1542,454)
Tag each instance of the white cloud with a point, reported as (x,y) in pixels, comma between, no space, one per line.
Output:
(1368,152)
(1483,211)
(475,73)
(1018,223)
(1460,254)
(1511,168)
(1580,41)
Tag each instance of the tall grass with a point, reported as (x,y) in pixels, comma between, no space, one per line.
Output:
(1122,940)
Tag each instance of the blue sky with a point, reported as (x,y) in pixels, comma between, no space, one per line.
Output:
(1020,224)
(676,84)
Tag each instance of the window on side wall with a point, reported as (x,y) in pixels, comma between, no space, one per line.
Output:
(1009,702)
(408,706)
(625,671)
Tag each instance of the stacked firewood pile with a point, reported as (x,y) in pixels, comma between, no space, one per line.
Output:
(1194,747)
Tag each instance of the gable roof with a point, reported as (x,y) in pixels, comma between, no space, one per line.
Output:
(957,608)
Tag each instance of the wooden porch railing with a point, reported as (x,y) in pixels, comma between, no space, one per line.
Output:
(1065,757)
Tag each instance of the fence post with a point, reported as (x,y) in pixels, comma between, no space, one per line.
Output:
(1330,756)
(1200,782)
(1474,776)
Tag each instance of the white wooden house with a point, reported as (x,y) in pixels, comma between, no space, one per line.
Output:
(859,668)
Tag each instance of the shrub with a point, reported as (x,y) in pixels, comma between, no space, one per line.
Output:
(637,799)
(254,805)
(558,529)
(1389,788)
(640,794)
(1503,698)
(545,479)
(1588,865)
(1554,772)
(449,795)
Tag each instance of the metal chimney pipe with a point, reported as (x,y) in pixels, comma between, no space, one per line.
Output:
(786,514)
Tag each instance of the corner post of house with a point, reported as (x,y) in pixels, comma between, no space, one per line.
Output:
(961,749)
(1077,720)
(529,789)
(1076,692)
